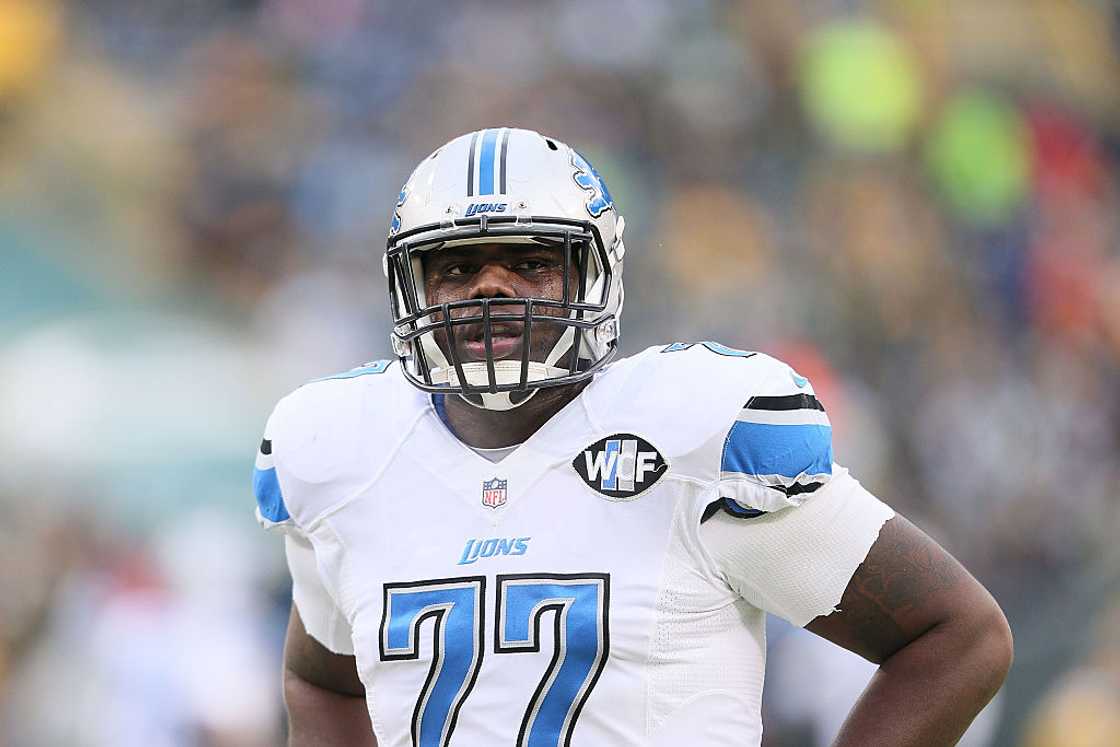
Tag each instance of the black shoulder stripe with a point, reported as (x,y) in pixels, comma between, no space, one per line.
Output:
(266,447)
(798,488)
(789,402)
(729,506)
(711,510)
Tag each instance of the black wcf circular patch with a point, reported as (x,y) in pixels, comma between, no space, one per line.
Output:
(620,467)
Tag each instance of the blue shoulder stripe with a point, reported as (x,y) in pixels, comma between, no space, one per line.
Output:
(270,501)
(373,367)
(786,450)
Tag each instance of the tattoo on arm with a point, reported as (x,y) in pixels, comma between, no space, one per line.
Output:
(904,569)
(903,588)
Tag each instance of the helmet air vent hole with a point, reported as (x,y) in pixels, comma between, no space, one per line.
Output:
(551,145)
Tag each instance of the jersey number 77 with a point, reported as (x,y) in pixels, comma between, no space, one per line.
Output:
(579,607)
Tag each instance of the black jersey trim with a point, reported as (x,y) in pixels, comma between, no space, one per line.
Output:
(788,402)
(798,488)
(729,506)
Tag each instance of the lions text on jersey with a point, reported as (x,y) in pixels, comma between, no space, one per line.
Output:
(605,583)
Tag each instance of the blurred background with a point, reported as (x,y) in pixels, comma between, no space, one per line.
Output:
(915,202)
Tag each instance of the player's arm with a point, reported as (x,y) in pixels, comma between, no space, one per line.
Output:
(802,539)
(942,642)
(325,699)
(323,694)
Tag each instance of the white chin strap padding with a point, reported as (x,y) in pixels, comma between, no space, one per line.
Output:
(505,372)
(499,401)
(509,372)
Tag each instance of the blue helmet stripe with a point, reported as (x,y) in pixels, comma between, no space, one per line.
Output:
(486,162)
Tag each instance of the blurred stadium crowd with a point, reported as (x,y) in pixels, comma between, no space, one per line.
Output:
(916,203)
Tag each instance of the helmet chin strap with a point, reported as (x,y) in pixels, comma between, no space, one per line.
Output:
(476,373)
(505,372)
(500,401)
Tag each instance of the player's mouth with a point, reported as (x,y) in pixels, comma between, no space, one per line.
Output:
(505,340)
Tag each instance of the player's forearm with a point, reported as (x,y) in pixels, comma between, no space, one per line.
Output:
(321,718)
(928,692)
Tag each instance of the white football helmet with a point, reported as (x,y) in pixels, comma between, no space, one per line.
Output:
(506,185)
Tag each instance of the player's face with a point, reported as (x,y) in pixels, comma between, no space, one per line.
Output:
(497,271)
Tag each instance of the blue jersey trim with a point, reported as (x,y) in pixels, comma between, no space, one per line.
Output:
(270,501)
(715,347)
(439,402)
(376,367)
(786,450)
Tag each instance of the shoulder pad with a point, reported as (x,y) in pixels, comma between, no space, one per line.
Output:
(740,418)
(682,398)
(272,513)
(779,449)
(328,437)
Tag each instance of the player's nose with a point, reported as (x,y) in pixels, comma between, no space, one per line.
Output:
(494,280)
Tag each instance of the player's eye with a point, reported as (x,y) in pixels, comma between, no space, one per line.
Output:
(457,270)
(530,265)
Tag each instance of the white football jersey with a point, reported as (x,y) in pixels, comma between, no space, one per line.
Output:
(603,584)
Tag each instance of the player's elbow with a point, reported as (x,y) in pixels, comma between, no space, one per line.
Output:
(993,647)
(317,716)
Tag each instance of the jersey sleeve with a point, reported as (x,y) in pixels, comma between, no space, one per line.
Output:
(778,451)
(272,512)
(796,563)
(322,619)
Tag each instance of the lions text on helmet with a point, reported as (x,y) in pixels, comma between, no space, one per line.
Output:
(504,186)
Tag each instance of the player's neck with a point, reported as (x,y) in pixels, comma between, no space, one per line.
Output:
(494,429)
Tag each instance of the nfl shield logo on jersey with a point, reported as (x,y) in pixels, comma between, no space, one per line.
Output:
(493,493)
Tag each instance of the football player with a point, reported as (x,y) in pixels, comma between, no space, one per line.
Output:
(509,536)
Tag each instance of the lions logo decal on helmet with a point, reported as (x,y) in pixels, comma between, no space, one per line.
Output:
(395,225)
(588,178)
